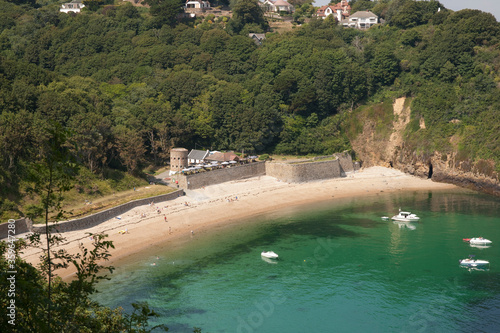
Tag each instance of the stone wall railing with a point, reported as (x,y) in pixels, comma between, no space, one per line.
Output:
(304,172)
(218,176)
(22,226)
(97,218)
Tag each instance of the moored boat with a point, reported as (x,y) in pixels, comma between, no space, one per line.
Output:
(405,217)
(470,262)
(478,241)
(269,254)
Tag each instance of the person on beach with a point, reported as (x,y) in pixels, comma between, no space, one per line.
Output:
(165,217)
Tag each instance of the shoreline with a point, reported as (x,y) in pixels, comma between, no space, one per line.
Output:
(226,204)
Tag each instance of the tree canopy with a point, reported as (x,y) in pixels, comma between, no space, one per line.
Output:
(131,82)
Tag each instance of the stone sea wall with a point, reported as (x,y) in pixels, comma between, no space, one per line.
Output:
(218,176)
(21,226)
(305,171)
(91,220)
(316,169)
(312,170)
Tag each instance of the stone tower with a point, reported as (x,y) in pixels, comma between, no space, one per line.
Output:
(178,159)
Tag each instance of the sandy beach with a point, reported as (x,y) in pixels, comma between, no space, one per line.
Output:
(172,223)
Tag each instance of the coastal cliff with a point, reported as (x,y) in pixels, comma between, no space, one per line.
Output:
(383,137)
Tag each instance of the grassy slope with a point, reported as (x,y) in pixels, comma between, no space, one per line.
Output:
(91,194)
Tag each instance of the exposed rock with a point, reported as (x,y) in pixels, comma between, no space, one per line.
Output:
(373,149)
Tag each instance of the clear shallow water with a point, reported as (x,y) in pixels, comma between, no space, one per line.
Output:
(341,269)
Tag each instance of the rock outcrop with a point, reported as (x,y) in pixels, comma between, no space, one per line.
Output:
(372,149)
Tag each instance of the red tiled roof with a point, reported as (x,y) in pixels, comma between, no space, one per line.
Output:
(223,157)
(343,5)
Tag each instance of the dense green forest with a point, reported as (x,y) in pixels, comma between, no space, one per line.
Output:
(132,82)
(125,84)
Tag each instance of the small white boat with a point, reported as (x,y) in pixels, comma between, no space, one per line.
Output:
(269,254)
(405,217)
(478,241)
(385,218)
(469,262)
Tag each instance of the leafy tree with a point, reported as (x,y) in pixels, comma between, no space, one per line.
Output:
(92,135)
(411,37)
(165,11)
(73,309)
(299,3)
(247,12)
(93,5)
(31,3)
(358,5)
(130,148)
(50,176)
(214,41)
(480,27)
(385,66)
(15,137)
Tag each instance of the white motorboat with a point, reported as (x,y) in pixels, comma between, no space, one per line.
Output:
(470,262)
(385,218)
(269,254)
(478,241)
(405,217)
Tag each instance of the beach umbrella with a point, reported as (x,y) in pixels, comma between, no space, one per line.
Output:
(225,163)
(232,162)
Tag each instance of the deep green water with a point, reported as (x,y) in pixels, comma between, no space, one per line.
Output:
(341,269)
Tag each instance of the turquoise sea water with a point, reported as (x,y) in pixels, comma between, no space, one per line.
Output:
(341,269)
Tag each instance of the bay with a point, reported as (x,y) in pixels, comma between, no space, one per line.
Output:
(341,269)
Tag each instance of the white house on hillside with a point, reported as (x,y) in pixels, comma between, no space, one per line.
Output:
(277,6)
(360,20)
(73,6)
(197,4)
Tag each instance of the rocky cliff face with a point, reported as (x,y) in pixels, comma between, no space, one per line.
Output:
(390,150)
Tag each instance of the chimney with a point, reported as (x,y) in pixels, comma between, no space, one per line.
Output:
(339,15)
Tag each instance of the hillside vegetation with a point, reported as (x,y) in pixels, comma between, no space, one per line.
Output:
(131,83)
